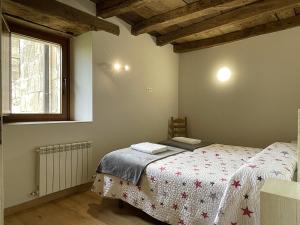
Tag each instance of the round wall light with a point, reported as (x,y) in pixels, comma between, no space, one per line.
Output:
(224,74)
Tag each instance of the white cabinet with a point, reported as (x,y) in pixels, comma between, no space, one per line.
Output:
(280,203)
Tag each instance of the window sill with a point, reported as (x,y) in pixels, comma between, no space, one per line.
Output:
(45,123)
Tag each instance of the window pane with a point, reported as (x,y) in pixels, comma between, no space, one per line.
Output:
(35,76)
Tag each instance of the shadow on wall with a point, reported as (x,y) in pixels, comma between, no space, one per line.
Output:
(106,68)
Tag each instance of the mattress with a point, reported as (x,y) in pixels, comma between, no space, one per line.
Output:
(217,184)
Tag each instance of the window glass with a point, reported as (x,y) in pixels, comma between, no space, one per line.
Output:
(36,76)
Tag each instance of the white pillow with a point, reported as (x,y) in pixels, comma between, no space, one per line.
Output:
(187,140)
(149,148)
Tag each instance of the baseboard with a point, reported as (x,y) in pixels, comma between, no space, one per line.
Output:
(48,198)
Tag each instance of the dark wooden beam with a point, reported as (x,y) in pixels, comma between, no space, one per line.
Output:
(111,8)
(229,18)
(57,16)
(14,20)
(238,35)
(185,13)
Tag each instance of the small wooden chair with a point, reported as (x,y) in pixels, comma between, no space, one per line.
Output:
(178,127)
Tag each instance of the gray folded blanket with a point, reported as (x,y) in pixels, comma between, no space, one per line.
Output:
(129,164)
(185,146)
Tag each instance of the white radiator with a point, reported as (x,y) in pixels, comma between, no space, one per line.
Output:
(63,166)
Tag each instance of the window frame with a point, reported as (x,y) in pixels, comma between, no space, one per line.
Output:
(65,87)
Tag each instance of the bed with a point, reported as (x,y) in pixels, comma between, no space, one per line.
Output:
(217,184)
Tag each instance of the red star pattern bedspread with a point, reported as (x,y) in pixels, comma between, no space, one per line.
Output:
(217,184)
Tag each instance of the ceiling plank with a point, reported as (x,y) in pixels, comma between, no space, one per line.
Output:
(57,16)
(185,13)
(112,8)
(229,18)
(238,35)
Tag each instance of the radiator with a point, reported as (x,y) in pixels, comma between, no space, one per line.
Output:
(63,166)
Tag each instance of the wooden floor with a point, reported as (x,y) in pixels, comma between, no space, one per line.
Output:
(81,209)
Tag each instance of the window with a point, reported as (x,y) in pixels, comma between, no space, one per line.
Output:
(39,82)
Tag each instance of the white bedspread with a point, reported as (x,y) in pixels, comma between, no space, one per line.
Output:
(217,184)
(241,203)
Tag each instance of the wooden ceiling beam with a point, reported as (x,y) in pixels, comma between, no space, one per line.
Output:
(229,18)
(185,13)
(238,35)
(106,9)
(57,16)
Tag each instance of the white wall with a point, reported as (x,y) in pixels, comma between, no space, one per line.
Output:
(258,105)
(121,100)
(82,77)
(124,112)
(19,143)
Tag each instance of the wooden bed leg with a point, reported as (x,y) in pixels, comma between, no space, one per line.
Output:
(121,204)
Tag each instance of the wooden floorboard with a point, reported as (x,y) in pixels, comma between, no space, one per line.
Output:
(81,209)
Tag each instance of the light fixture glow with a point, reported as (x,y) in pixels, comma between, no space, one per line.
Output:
(224,74)
(127,68)
(117,67)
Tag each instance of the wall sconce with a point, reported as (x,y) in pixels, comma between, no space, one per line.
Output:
(224,74)
(127,68)
(117,67)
